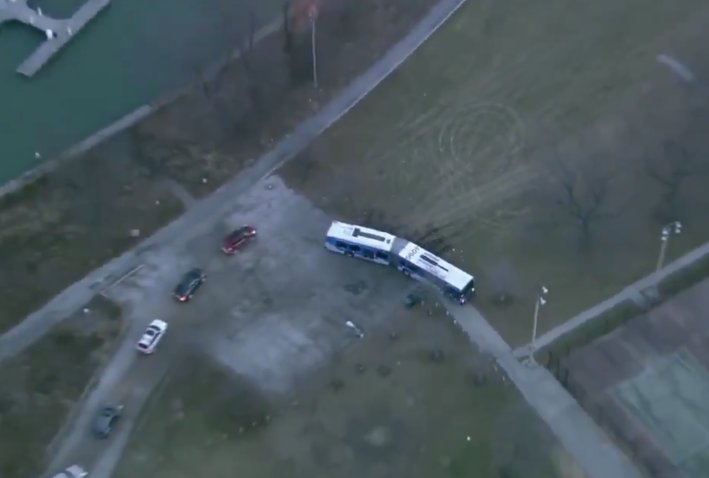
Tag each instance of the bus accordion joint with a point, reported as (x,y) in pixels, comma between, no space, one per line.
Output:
(411,259)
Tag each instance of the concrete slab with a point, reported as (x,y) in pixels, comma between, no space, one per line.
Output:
(669,399)
(272,313)
(59,31)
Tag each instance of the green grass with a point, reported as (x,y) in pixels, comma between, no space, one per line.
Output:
(56,230)
(384,403)
(465,137)
(41,385)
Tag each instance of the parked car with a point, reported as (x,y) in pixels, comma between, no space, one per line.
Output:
(237,238)
(73,471)
(106,419)
(189,284)
(152,336)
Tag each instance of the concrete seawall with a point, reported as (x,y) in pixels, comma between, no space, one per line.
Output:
(125,122)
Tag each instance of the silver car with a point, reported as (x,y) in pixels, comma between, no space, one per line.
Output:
(73,471)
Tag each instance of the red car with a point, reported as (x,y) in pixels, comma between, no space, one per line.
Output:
(238,238)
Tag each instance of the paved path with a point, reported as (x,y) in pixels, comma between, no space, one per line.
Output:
(633,292)
(206,212)
(588,444)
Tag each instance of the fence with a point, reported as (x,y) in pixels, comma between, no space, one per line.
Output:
(609,416)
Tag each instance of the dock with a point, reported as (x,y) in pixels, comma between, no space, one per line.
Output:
(58,31)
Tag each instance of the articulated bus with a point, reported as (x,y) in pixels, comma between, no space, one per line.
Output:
(409,258)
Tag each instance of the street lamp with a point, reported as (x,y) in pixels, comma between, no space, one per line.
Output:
(537,305)
(668,231)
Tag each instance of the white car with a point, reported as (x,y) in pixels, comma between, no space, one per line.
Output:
(152,336)
(74,471)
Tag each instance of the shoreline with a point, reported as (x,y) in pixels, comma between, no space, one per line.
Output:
(131,119)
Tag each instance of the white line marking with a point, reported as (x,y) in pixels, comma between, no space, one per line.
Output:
(677,67)
(121,279)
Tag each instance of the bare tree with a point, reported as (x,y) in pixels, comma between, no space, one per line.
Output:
(581,189)
(671,170)
(298,41)
(287,29)
(247,61)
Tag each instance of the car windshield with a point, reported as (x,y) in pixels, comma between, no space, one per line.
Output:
(238,234)
(186,282)
(152,330)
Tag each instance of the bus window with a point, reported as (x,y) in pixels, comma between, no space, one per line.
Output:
(341,245)
(382,255)
(355,248)
(368,254)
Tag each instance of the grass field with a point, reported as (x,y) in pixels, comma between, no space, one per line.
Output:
(39,387)
(411,400)
(57,230)
(516,126)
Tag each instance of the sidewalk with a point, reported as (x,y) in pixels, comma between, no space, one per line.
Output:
(207,212)
(632,292)
(588,444)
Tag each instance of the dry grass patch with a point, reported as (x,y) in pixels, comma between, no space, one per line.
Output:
(41,385)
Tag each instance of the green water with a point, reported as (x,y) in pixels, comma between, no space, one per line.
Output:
(133,52)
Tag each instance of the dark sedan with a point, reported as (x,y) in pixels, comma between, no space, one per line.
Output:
(237,238)
(106,419)
(189,284)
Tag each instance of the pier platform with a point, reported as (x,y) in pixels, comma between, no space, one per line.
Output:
(58,31)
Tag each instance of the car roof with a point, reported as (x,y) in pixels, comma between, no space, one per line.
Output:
(73,471)
(160,324)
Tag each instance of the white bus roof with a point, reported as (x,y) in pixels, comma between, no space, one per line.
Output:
(427,261)
(361,235)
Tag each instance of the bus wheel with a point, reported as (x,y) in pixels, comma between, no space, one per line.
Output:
(406,272)
(349,254)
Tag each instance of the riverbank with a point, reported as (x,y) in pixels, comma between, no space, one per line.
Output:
(105,73)
(198,142)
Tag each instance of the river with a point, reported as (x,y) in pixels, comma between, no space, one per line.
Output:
(133,52)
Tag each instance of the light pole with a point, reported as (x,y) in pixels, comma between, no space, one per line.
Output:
(312,13)
(668,231)
(537,305)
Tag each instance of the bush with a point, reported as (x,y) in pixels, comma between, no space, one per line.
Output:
(592,330)
(684,278)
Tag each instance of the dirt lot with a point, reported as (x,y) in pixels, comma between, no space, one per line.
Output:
(646,384)
(57,230)
(546,146)
(41,385)
(412,399)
